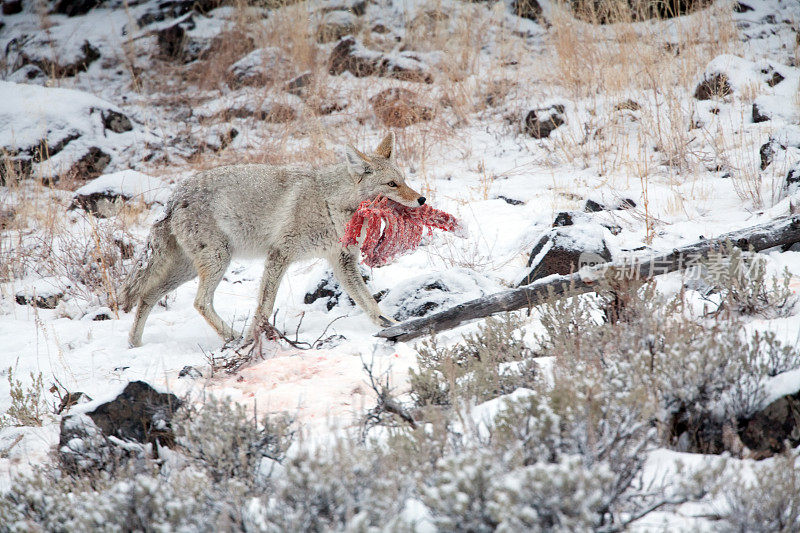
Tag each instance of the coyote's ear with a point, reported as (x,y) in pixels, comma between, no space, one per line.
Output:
(386,148)
(357,163)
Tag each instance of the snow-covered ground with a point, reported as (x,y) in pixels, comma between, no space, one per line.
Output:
(693,169)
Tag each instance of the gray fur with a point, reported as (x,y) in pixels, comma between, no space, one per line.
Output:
(283,213)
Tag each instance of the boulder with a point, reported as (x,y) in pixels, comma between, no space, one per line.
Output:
(349,55)
(429,293)
(529,9)
(768,431)
(77,138)
(398,108)
(335,25)
(55,58)
(105,195)
(12,7)
(782,140)
(298,86)
(44,293)
(604,12)
(565,249)
(329,292)
(792,182)
(140,413)
(73,8)
(540,123)
(713,86)
(260,67)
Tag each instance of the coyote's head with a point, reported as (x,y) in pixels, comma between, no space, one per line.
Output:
(379,175)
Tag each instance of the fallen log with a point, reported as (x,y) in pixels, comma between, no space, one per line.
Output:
(783,231)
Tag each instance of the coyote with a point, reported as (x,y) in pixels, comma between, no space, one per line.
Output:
(283,213)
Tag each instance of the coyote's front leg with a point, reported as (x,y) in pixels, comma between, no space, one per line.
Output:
(345,268)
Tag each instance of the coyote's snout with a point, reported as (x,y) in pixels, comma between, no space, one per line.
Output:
(281,213)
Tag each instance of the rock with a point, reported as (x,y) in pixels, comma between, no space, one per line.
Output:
(56,59)
(299,85)
(564,218)
(40,295)
(170,42)
(88,166)
(71,399)
(116,121)
(140,413)
(77,137)
(767,432)
(351,56)
(529,9)
(540,123)
(190,372)
(510,201)
(12,7)
(630,105)
(426,294)
(715,86)
(335,25)
(105,195)
(792,182)
(73,8)
(741,7)
(329,291)
(766,153)
(398,108)
(758,116)
(260,67)
(82,447)
(594,207)
(602,12)
(28,74)
(564,250)
(773,76)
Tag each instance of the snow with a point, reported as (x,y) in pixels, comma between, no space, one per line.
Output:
(128,184)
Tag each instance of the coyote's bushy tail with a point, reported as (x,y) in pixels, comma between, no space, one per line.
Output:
(136,282)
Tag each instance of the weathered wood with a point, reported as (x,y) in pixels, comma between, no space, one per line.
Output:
(782,231)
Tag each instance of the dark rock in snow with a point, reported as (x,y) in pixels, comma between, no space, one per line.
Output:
(540,123)
(529,9)
(71,399)
(335,25)
(715,86)
(510,201)
(423,295)
(298,86)
(140,413)
(329,290)
(190,372)
(170,42)
(12,7)
(594,207)
(741,7)
(260,67)
(116,121)
(43,299)
(90,165)
(564,218)
(767,432)
(351,56)
(73,8)
(766,152)
(758,116)
(564,250)
(43,57)
(792,182)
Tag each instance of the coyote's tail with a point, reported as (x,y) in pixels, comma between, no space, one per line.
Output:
(134,285)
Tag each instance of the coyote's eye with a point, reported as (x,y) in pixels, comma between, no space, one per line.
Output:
(392,184)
